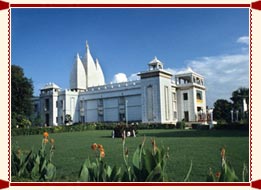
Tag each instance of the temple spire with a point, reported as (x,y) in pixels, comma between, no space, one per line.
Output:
(87,45)
(78,75)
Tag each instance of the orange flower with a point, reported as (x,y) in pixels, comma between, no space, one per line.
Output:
(45,135)
(100,147)
(102,154)
(94,146)
(52,141)
(45,140)
(218,175)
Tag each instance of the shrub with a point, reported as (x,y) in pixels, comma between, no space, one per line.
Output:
(98,171)
(200,126)
(180,125)
(34,167)
(232,126)
(227,172)
(148,165)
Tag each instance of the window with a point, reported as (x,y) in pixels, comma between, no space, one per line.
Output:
(122,116)
(198,109)
(186,116)
(199,96)
(100,118)
(81,104)
(35,107)
(47,105)
(173,96)
(166,94)
(100,103)
(149,102)
(82,119)
(61,103)
(185,96)
(121,101)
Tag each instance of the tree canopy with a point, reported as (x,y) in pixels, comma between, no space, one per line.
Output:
(223,108)
(21,96)
(238,96)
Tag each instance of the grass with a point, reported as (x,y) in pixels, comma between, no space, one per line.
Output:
(202,147)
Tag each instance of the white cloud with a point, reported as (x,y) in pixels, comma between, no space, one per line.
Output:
(122,77)
(133,77)
(243,40)
(119,77)
(223,74)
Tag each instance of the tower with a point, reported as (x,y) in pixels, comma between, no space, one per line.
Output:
(156,90)
(86,72)
(78,75)
(94,74)
(191,96)
(48,104)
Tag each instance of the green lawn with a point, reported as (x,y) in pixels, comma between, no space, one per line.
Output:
(202,147)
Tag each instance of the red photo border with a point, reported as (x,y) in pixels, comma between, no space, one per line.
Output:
(254,5)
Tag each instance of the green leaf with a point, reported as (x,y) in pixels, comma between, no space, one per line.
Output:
(148,161)
(186,179)
(116,174)
(244,173)
(108,172)
(50,172)
(35,175)
(155,175)
(228,173)
(84,172)
(24,164)
(136,158)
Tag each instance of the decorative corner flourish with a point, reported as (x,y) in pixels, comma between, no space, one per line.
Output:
(4,5)
(4,184)
(256,184)
(256,5)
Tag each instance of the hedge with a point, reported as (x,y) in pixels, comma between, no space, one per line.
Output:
(84,127)
(232,126)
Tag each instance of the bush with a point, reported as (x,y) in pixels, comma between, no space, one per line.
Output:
(121,130)
(199,126)
(34,167)
(90,126)
(147,165)
(227,172)
(232,126)
(155,126)
(180,125)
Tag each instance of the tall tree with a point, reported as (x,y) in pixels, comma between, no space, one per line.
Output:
(238,96)
(222,110)
(21,95)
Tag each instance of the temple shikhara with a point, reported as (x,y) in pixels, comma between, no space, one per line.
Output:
(157,97)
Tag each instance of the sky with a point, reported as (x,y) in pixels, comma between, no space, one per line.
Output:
(212,42)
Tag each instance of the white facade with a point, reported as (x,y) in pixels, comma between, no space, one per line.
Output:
(191,96)
(155,98)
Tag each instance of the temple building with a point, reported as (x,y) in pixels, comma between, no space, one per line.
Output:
(157,97)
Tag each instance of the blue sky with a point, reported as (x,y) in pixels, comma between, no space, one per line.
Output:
(213,42)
